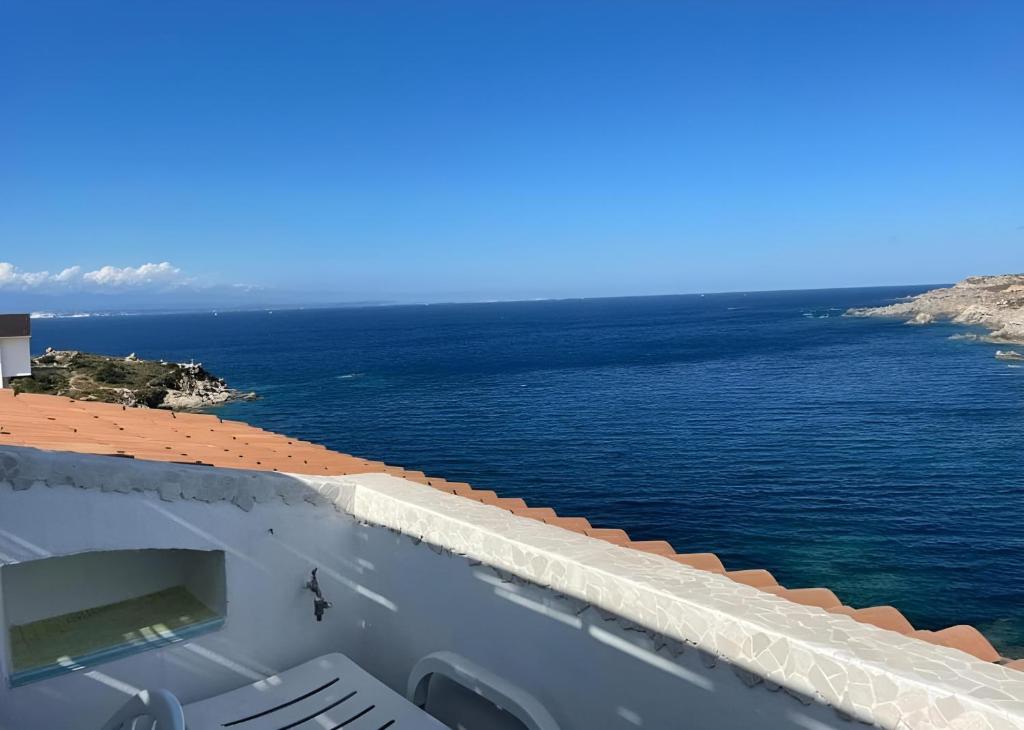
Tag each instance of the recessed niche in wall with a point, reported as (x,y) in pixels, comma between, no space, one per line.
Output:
(65,613)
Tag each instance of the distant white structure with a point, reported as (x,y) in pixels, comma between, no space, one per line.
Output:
(15,357)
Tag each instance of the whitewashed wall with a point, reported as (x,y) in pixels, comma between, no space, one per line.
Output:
(394,602)
(397,598)
(269,625)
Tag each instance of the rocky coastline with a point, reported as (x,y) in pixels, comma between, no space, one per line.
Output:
(128,381)
(993,302)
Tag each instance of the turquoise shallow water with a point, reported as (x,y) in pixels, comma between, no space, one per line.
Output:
(883,461)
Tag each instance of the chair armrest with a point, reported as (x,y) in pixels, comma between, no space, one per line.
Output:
(159,704)
(522,705)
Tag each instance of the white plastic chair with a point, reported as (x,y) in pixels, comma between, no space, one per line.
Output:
(329,693)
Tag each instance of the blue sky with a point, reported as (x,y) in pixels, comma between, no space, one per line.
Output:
(417,151)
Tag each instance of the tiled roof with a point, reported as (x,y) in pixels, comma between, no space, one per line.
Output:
(63,424)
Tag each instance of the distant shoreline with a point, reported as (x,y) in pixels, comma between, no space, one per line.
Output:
(214,311)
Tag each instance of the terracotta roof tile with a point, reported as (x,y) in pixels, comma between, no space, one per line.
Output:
(509,503)
(574,524)
(842,610)
(884,617)
(701,561)
(658,547)
(536,513)
(757,577)
(965,638)
(63,424)
(486,496)
(820,597)
(612,535)
(454,487)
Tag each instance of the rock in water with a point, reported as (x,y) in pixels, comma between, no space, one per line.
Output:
(1008,355)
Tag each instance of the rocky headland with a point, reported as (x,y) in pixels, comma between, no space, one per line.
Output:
(993,302)
(128,381)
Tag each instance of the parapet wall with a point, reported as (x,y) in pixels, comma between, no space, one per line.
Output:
(450,572)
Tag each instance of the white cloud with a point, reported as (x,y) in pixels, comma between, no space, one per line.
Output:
(147,274)
(150,276)
(69,274)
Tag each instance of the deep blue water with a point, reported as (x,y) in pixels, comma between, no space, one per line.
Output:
(883,461)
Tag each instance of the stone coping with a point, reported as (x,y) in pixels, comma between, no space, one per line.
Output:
(870,674)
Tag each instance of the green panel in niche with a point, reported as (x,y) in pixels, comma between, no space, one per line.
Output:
(66,643)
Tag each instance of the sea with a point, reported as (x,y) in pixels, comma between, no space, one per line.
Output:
(881,460)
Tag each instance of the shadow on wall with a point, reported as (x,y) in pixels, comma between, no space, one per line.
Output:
(395,600)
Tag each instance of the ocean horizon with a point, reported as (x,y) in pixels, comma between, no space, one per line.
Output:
(207,308)
(879,460)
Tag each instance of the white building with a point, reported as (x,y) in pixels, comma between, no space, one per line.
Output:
(15,358)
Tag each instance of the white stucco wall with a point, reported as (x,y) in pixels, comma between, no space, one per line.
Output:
(269,624)
(603,637)
(394,602)
(15,358)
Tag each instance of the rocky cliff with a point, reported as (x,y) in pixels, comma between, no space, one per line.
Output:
(994,302)
(128,381)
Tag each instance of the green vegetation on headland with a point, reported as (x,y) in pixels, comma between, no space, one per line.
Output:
(127,381)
